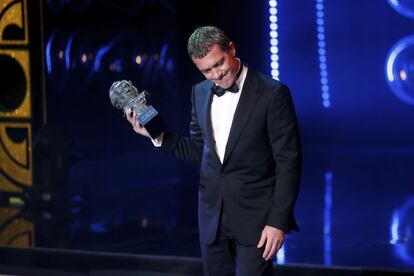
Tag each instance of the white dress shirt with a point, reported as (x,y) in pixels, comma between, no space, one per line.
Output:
(222,113)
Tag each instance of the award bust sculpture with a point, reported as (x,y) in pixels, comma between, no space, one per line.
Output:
(125,95)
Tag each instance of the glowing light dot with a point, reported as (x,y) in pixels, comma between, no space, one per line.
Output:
(403,75)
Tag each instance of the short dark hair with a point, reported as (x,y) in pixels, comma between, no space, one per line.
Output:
(204,38)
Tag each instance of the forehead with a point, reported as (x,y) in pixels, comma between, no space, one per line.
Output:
(215,55)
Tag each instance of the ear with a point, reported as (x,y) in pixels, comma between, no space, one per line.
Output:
(232,48)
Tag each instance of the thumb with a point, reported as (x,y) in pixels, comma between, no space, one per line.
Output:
(262,240)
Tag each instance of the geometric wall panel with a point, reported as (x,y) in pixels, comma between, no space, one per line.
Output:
(15,156)
(15,230)
(16,167)
(15,97)
(13,22)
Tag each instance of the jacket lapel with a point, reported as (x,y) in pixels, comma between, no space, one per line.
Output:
(205,118)
(245,107)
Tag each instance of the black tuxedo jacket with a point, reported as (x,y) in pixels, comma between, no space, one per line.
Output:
(257,183)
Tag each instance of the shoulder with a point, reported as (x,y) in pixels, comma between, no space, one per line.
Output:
(203,85)
(201,92)
(267,84)
(201,89)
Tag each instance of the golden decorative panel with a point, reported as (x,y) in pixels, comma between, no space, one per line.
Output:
(13,22)
(16,99)
(16,168)
(14,230)
(15,157)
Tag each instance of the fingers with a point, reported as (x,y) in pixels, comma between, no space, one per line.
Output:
(273,243)
(127,111)
(132,119)
(262,240)
(137,126)
(268,249)
(272,251)
(272,247)
(279,244)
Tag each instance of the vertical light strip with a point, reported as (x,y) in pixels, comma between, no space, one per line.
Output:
(327,215)
(274,50)
(274,65)
(320,22)
(395,222)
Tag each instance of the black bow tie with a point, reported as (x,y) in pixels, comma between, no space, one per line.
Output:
(219,91)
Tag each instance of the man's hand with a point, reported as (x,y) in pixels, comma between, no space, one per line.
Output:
(273,238)
(132,118)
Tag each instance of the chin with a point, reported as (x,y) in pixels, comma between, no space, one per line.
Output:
(226,85)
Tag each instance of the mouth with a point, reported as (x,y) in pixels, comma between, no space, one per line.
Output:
(223,76)
(222,81)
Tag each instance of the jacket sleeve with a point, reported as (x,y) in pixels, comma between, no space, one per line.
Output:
(285,142)
(186,148)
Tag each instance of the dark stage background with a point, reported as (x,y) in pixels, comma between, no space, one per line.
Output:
(109,191)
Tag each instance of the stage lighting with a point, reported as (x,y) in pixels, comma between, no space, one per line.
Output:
(320,28)
(274,50)
(399,69)
(401,231)
(403,7)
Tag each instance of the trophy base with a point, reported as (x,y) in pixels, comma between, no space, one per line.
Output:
(155,126)
(152,121)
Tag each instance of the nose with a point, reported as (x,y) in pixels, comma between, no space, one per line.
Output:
(217,74)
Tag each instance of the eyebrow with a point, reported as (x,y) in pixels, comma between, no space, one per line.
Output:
(216,64)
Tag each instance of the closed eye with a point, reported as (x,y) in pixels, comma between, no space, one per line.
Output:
(219,63)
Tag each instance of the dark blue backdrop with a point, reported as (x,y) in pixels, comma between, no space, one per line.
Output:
(121,195)
(358,34)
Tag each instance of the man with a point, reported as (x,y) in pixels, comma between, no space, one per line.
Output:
(244,135)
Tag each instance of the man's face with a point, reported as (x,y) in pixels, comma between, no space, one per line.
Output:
(219,66)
